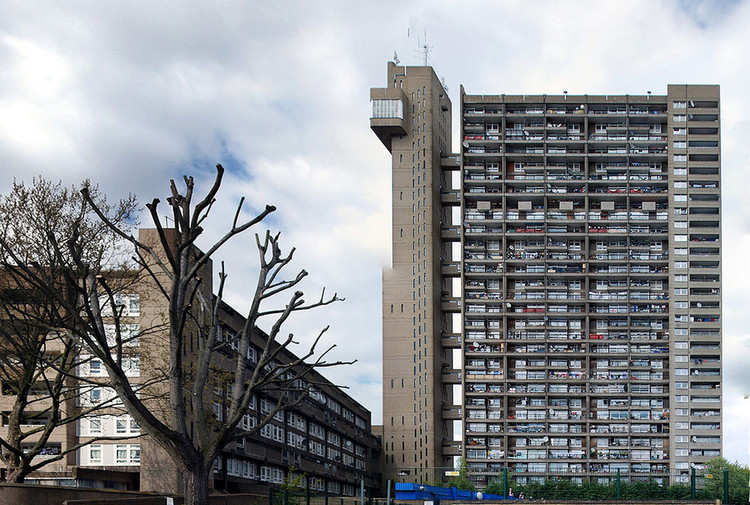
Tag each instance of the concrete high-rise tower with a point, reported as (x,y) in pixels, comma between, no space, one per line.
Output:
(555,308)
(412,117)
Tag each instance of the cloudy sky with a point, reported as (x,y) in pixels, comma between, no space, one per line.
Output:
(131,94)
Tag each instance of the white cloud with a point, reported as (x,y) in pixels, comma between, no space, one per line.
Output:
(131,94)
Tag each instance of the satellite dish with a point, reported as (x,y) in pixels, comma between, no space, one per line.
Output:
(395,58)
(465,144)
(699,305)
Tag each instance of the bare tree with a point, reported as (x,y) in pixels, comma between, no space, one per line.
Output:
(188,431)
(39,353)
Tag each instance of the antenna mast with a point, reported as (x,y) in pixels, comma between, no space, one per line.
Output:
(424,49)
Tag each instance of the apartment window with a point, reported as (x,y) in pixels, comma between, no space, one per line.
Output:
(679,105)
(680,224)
(680,238)
(681,438)
(680,171)
(679,131)
(128,454)
(125,304)
(95,426)
(679,144)
(681,359)
(681,426)
(131,365)
(95,454)
(681,371)
(251,352)
(126,426)
(128,334)
(681,385)
(680,118)
(96,369)
(680,291)
(248,422)
(680,184)
(680,264)
(266,406)
(681,452)
(681,331)
(95,395)
(679,157)
(681,251)
(680,345)
(680,278)
(681,412)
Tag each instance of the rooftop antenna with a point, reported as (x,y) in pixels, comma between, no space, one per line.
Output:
(424,49)
(395,58)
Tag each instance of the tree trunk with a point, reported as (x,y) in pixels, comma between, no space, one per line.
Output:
(195,483)
(16,472)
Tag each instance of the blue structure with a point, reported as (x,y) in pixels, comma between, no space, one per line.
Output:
(409,491)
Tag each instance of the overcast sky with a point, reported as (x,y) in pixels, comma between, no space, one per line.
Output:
(131,94)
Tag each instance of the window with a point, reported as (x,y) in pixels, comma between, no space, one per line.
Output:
(679,144)
(126,304)
(680,224)
(680,345)
(681,398)
(131,365)
(128,454)
(128,334)
(95,395)
(317,431)
(251,352)
(96,369)
(680,278)
(680,118)
(680,238)
(95,454)
(681,438)
(95,426)
(265,406)
(387,109)
(126,425)
(680,264)
(248,422)
(680,291)
(681,371)
(680,251)
(679,105)
(680,384)
(248,470)
(679,131)
(679,157)
(681,412)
